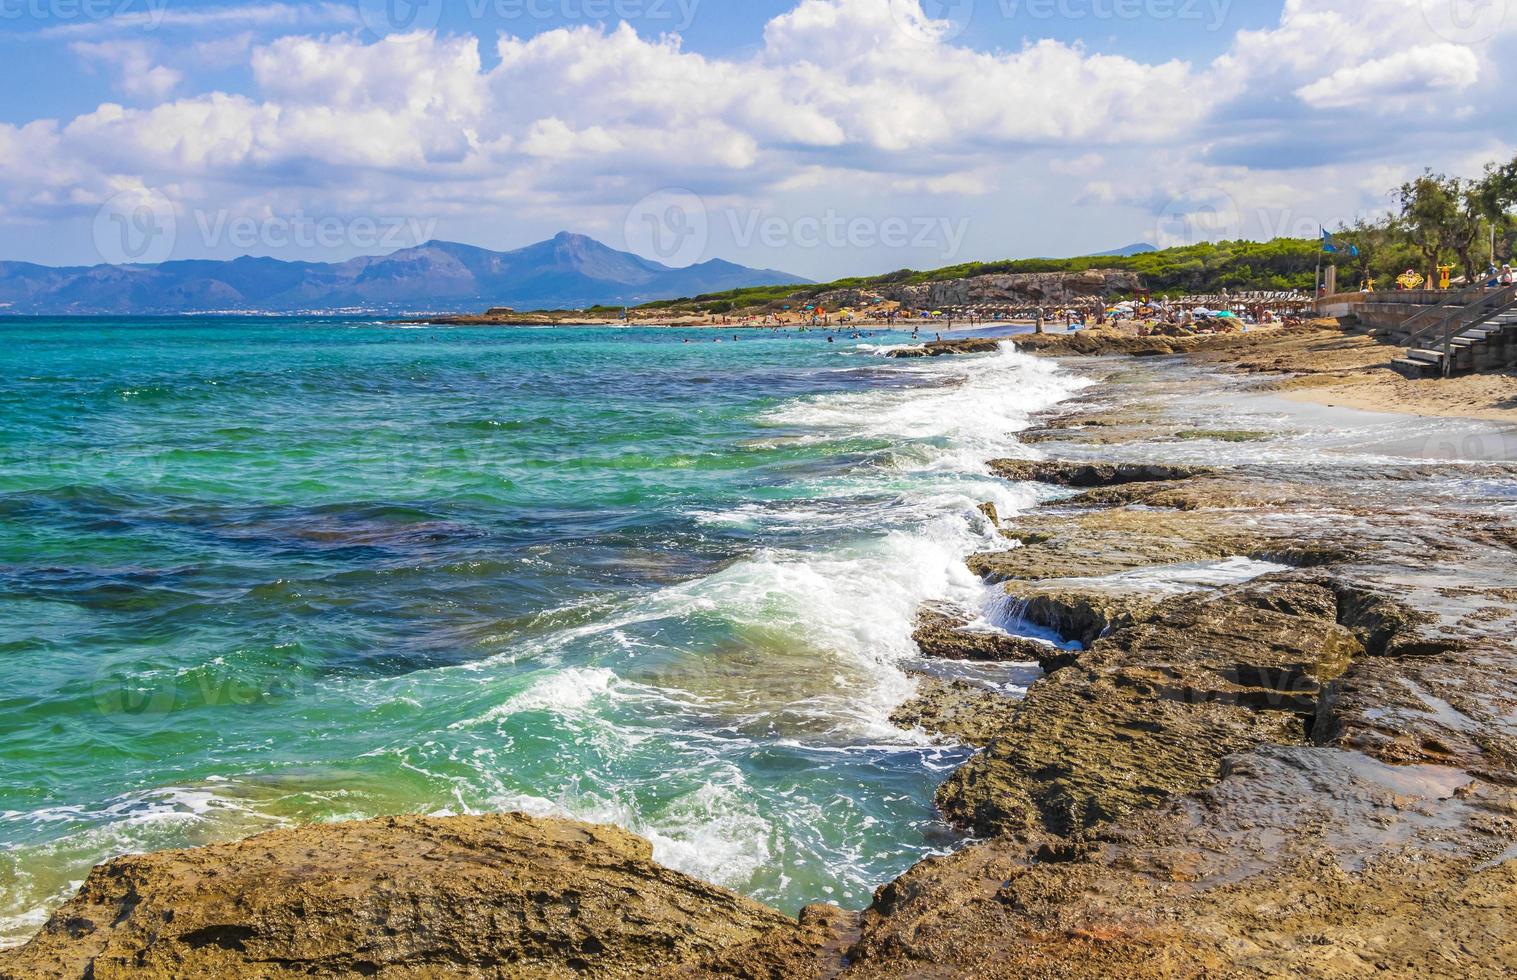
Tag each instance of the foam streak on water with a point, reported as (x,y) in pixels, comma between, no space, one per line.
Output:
(323,572)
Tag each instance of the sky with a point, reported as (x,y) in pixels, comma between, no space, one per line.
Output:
(820,137)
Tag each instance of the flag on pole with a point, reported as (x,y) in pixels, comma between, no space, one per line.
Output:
(1327,242)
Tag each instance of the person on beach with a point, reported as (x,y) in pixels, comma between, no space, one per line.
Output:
(1508,278)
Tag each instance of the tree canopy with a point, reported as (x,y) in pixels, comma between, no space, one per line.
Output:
(1436,220)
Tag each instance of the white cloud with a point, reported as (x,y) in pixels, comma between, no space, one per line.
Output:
(864,100)
(160,14)
(1416,76)
(134,63)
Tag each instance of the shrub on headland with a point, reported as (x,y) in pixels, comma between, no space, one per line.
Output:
(1436,220)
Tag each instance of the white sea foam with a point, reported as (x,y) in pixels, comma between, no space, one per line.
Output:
(892,534)
(714,832)
(858,601)
(561,692)
(977,403)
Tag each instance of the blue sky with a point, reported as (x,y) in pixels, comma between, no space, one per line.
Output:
(823,137)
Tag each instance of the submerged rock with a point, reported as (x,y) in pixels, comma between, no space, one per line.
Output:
(404,897)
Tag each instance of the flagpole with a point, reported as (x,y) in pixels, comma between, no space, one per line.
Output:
(1317,292)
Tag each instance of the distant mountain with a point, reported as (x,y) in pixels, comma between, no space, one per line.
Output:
(1126,251)
(568,272)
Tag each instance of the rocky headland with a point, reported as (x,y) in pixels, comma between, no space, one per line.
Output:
(1018,289)
(1305,769)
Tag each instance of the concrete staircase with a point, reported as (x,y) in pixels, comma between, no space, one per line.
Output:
(1474,330)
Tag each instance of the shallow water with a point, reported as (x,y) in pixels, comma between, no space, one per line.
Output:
(262,571)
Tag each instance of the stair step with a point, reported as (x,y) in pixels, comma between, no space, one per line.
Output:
(1413,369)
(1466,341)
(1427,356)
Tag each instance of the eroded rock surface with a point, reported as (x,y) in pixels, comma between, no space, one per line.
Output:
(942,348)
(942,632)
(1078,612)
(1150,711)
(1075,474)
(1295,862)
(406,897)
(958,710)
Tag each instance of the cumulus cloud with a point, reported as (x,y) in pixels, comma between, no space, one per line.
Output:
(604,99)
(137,73)
(840,97)
(1411,76)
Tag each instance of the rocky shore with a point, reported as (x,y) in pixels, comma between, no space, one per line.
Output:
(940,348)
(1305,769)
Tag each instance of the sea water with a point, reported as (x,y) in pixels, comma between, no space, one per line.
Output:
(256,572)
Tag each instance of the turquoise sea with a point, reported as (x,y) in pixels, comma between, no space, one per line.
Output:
(260,571)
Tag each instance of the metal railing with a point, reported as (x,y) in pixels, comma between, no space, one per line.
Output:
(1471,315)
(1434,316)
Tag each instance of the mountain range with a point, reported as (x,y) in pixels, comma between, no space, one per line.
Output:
(1127,251)
(567,272)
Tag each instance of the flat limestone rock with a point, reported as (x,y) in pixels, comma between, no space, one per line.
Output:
(489,896)
(1299,861)
(941,634)
(1099,543)
(1080,752)
(1459,709)
(1270,646)
(957,710)
(1101,343)
(1150,711)
(1087,475)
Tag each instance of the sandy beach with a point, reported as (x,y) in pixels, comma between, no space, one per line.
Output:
(1321,362)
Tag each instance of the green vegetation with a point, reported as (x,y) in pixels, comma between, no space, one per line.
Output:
(1440,220)
(1285,263)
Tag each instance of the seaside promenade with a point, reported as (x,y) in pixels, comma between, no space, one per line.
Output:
(1446,331)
